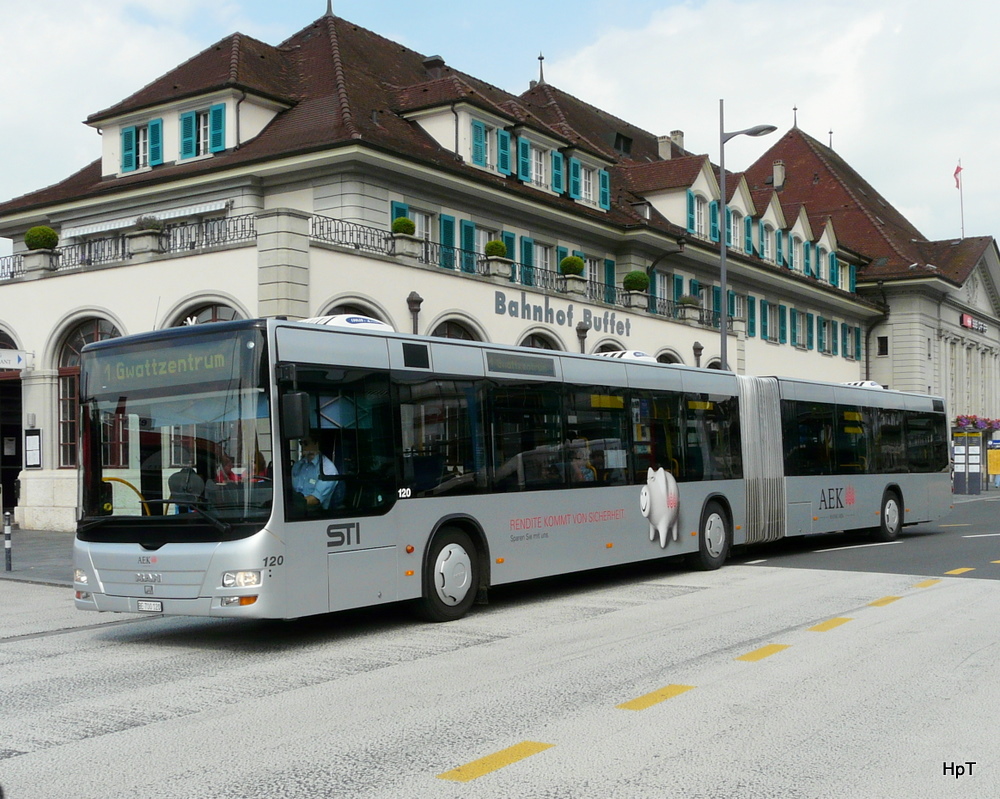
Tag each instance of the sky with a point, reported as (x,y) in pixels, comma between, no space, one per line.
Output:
(905,89)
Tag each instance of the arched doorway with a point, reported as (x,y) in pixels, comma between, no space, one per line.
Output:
(453,329)
(538,342)
(10,427)
(69,382)
(213,312)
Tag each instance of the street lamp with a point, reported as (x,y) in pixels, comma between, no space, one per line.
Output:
(757,130)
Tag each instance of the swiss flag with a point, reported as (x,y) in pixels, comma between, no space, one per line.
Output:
(958,178)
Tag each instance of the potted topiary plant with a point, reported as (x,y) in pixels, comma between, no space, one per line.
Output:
(41,237)
(689,307)
(571,267)
(41,256)
(405,243)
(497,262)
(146,236)
(635,284)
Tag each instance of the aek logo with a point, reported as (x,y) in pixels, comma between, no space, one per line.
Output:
(832,498)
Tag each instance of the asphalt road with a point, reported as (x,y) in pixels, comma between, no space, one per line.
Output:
(767,679)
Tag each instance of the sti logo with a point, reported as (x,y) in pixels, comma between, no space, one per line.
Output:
(833,498)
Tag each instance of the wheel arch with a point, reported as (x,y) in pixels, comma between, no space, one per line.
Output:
(474,530)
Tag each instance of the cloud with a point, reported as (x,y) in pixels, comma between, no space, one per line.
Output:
(906,87)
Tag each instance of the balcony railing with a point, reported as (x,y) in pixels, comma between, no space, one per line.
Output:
(208,233)
(93,252)
(11,266)
(351,234)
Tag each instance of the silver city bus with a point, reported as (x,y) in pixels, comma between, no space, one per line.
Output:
(276,469)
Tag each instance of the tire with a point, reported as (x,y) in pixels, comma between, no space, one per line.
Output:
(714,538)
(890,518)
(451,577)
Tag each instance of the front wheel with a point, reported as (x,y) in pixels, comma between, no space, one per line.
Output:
(714,538)
(890,518)
(451,578)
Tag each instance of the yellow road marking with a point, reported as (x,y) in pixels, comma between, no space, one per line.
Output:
(763,652)
(960,571)
(886,600)
(654,698)
(822,627)
(505,757)
(929,583)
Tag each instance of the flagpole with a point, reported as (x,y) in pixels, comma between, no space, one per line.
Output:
(961,196)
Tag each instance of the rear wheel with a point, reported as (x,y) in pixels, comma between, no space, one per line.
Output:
(714,538)
(890,518)
(451,578)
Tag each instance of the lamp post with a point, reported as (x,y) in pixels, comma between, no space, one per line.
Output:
(757,130)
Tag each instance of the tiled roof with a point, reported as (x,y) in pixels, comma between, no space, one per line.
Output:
(237,61)
(662,175)
(864,222)
(344,85)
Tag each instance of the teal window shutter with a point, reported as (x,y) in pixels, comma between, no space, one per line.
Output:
(853,279)
(857,343)
(447,231)
(764,307)
(809,331)
(217,128)
(779,253)
(527,261)
(478,143)
(729,226)
(128,149)
(524,160)
(503,152)
(821,334)
(748,235)
(574,178)
(510,241)
(609,282)
(694,288)
(155,131)
(690,211)
(713,220)
(397,210)
(807,258)
(731,302)
(834,332)
(558,177)
(782,324)
(561,252)
(751,316)
(678,287)
(761,240)
(188,123)
(795,326)
(604,198)
(834,270)
(468,238)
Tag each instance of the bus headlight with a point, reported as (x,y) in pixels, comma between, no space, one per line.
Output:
(79,576)
(247,579)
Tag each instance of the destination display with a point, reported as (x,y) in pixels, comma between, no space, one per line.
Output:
(184,362)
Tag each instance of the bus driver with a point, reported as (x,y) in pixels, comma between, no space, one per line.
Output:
(308,475)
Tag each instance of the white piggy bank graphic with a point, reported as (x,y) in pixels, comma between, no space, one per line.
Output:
(658,501)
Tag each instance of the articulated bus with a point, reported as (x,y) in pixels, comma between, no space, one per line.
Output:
(447,467)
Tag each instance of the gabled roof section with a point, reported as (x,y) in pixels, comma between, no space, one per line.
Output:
(677,173)
(443,91)
(591,127)
(236,62)
(866,223)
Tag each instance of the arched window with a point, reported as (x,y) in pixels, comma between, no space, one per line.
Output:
(349,308)
(668,357)
(608,346)
(7,343)
(69,382)
(451,329)
(538,342)
(215,312)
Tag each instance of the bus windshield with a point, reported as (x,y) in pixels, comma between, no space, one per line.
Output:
(177,431)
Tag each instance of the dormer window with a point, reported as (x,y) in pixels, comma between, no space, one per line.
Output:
(203,132)
(142,145)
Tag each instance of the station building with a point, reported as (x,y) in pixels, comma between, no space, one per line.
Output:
(264,180)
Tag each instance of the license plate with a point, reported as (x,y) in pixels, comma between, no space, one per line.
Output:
(151,605)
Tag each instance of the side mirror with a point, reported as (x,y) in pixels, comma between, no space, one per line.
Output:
(295,414)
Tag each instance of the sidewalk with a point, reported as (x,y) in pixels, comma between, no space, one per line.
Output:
(39,556)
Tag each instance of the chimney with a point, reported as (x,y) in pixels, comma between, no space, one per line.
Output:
(434,65)
(663,147)
(677,137)
(779,175)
